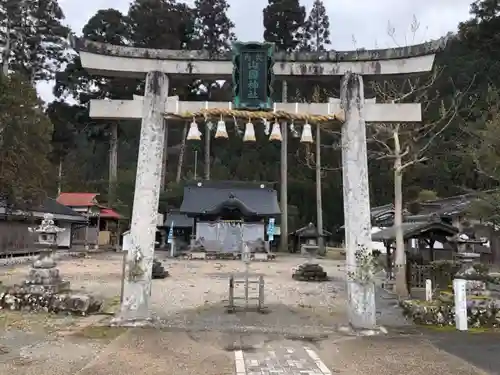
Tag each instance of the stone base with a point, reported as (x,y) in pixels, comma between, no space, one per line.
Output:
(119,321)
(62,286)
(261,256)
(198,255)
(158,271)
(22,298)
(351,331)
(310,272)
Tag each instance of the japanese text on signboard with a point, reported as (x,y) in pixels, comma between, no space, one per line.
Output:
(254,76)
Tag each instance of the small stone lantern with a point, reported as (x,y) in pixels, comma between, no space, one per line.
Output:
(44,276)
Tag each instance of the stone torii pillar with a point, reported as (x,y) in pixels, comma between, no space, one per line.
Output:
(135,307)
(357,218)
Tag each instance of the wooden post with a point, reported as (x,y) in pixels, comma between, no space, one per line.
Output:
(207,152)
(284,178)
(261,293)
(231,293)
(164,176)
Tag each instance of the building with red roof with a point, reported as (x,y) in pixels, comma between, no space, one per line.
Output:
(102,228)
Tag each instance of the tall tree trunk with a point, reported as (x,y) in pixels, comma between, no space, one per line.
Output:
(400,261)
(59,176)
(6,51)
(319,205)
(164,179)
(113,163)
(181,154)
(284,176)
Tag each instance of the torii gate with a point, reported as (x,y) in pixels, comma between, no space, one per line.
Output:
(158,65)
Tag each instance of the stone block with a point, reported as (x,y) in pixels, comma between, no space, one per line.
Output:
(45,262)
(61,286)
(261,256)
(199,255)
(43,276)
(158,271)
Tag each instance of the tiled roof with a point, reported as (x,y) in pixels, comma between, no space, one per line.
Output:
(209,197)
(180,220)
(109,213)
(411,230)
(78,199)
(50,205)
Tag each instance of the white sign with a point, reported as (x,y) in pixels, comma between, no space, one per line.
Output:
(459,287)
(428,290)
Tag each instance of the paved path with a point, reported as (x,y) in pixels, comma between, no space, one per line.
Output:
(479,349)
(292,359)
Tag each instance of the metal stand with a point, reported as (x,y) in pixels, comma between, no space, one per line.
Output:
(246,279)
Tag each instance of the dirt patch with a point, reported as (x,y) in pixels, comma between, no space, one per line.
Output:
(35,322)
(100,332)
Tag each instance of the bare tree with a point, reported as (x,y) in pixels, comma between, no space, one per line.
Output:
(406,144)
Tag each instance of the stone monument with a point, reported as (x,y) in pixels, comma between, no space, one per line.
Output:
(44,290)
(44,276)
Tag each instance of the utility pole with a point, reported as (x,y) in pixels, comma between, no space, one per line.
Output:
(319,205)
(195,165)
(164,176)
(284,177)
(113,163)
(207,152)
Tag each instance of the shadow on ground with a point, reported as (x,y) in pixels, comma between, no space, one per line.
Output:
(276,318)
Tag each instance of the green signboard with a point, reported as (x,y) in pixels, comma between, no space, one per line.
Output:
(253,76)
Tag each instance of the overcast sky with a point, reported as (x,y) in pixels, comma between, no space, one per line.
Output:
(362,21)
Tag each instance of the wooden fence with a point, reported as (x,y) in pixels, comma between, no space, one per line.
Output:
(420,273)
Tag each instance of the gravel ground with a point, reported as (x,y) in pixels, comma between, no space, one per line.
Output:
(193,295)
(196,292)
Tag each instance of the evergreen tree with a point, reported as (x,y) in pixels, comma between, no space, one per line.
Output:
(213,28)
(317,28)
(33,37)
(283,23)
(161,24)
(25,131)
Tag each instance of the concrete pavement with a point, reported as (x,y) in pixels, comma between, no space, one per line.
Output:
(155,352)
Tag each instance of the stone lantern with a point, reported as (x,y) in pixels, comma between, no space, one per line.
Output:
(44,276)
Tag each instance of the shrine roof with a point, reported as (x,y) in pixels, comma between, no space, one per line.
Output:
(415,230)
(51,206)
(78,199)
(427,48)
(109,213)
(179,220)
(211,197)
